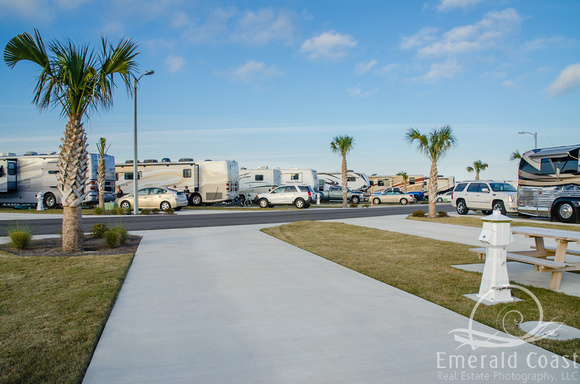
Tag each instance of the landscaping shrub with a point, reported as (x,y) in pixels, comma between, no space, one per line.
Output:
(116,236)
(145,212)
(99,230)
(442,214)
(170,211)
(20,237)
(99,211)
(418,213)
(155,210)
(353,205)
(124,235)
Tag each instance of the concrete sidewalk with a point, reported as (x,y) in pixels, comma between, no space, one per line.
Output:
(233,305)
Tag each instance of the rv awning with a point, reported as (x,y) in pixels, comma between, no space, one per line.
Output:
(554,152)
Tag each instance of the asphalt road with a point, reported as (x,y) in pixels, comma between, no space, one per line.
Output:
(217,218)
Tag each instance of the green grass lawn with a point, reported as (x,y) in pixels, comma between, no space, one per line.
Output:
(422,267)
(52,313)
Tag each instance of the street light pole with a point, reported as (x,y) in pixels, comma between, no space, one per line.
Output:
(535,134)
(135,172)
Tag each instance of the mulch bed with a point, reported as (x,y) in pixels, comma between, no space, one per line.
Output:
(52,247)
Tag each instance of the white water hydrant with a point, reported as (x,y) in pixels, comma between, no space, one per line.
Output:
(318,198)
(40,201)
(496,235)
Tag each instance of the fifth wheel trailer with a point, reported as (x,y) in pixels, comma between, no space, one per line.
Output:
(22,177)
(208,181)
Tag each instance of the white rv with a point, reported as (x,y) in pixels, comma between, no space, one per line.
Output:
(22,177)
(354,181)
(208,181)
(300,176)
(261,180)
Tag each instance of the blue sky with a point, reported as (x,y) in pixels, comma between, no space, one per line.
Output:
(272,82)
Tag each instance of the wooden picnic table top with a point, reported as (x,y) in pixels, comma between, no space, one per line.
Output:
(570,236)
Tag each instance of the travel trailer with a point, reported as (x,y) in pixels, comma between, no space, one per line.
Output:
(256,181)
(416,183)
(300,176)
(549,183)
(208,181)
(22,177)
(354,181)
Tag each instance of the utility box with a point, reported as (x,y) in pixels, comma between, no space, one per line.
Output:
(110,206)
(495,235)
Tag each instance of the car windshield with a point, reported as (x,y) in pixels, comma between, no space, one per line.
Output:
(502,187)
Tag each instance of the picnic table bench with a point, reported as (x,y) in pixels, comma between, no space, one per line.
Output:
(539,256)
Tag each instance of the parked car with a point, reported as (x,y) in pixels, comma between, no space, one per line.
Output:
(152,198)
(444,197)
(393,196)
(300,196)
(335,193)
(485,196)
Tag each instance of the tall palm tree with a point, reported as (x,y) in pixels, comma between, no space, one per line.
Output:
(434,145)
(78,80)
(478,166)
(342,145)
(405,178)
(515,155)
(101,170)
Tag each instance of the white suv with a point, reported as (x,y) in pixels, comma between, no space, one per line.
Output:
(485,196)
(300,196)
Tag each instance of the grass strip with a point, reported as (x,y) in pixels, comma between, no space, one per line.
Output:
(422,267)
(52,313)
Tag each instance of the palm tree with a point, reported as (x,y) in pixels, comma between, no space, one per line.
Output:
(515,156)
(433,145)
(478,166)
(78,80)
(101,170)
(405,178)
(342,145)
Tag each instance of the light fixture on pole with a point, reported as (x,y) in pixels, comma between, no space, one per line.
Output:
(135,172)
(535,134)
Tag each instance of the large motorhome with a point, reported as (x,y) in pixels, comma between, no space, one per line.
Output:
(261,180)
(22,177)
(300,176)
(416,183)
(354,181)
(549,183)
(208,181)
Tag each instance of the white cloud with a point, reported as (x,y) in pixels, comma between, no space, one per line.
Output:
(446,5)
(358,92)
(37,10)
(213,30)
(509,84)
(174,63)
(567,81)
(438,71)
(264,26)
(328,45)
(254,70)
(488,33)
(365,66)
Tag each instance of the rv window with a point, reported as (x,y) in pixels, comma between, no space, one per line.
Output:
(187,173)
(411,180)
(351,178)
(11,169)
(381,183)
(259,177)
(52,172)
(295,176)
(128,176)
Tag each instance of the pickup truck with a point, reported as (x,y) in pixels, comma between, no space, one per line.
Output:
(335,193)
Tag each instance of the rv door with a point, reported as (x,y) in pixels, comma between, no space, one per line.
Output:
(8,175)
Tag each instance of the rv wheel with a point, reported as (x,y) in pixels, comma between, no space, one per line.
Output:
(565,212)
(49,201)
(196,200)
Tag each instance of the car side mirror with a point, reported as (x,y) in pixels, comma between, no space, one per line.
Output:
(486,190)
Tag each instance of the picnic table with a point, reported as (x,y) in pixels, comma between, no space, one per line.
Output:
(540,253)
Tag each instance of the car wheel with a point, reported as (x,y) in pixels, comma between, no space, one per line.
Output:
(165,206)
(299,203)
(565,212)
(403,201)
(49,201)
(498,206)
(439,200)
(125,205)
(376,201)
(263,203)
(461,207)
(355,200)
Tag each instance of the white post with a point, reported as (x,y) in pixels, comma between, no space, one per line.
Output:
(496,235)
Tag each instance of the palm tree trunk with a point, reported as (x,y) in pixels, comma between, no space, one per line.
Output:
(433,189)
(343,171)
(72,176)
(101,181)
